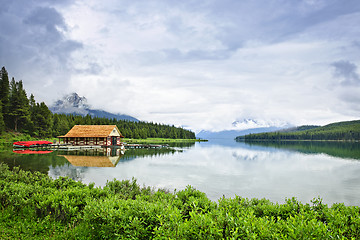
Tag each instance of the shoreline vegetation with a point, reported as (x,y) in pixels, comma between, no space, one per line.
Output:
(9,137)
(33,205)
(340,131)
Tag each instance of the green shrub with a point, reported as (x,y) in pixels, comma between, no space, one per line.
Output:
(32,205)
(115,218)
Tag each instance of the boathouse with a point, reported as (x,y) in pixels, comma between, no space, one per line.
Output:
(97,135)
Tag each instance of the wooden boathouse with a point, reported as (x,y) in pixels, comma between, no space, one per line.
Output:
(93,135)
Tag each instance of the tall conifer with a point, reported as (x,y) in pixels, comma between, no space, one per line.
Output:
(4,94)
(19,106)
(2,123)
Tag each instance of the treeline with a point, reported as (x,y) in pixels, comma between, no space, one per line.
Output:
(348,131)
(63,123)
(22,114)
(33,205)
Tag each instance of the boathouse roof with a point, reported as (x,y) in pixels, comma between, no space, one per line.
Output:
(93,131)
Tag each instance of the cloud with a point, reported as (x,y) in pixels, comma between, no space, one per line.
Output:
(346,72)
(34,45)
(202,64)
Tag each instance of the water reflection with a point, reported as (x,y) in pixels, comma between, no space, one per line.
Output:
(29,151)
(332,148)
(100,157)
(274,171)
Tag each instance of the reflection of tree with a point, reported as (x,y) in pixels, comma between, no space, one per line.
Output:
(31,162)
(336,149)
(131,154)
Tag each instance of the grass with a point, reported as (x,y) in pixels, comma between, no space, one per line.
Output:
(9,137)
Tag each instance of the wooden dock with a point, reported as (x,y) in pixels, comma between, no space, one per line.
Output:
(144,146)
(57,146)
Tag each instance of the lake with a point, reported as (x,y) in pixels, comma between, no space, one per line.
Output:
(275,171)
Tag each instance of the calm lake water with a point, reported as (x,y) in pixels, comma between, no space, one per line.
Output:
(330,170)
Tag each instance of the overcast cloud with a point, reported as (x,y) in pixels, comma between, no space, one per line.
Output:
(199,64)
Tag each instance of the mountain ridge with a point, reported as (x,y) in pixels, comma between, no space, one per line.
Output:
(76,105)
(234,133)
(345,130)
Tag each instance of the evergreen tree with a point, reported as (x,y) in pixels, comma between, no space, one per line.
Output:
(4,94)
(2,123)
(19,112)
(42,120)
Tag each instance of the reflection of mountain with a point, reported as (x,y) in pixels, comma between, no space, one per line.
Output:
(67,170)
(336,149)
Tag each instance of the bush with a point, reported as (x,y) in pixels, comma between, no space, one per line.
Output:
(33,205)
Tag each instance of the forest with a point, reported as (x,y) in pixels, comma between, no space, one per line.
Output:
(340,131)
(22,114)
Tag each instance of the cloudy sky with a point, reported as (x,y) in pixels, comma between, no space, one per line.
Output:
(198,64)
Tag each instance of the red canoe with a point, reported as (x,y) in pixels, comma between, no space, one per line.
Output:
(31,143)
(27,151)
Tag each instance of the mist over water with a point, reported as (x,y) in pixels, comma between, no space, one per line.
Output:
(274,171)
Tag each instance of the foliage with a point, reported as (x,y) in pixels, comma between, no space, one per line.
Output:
(2,123)
(33,205)
(349,131)
(27,116)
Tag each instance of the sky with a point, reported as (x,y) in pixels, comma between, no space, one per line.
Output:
(198,64)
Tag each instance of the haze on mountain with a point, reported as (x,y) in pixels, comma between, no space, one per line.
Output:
(243,127)
(74,104)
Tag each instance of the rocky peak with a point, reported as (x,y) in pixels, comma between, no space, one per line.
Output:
(72,100)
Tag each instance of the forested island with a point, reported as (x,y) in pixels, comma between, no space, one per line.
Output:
(24,115)
(340,131)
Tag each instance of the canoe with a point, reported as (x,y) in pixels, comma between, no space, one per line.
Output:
(27,151)
(28,144)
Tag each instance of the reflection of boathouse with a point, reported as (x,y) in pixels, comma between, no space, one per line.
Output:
(104,157)
(100,135)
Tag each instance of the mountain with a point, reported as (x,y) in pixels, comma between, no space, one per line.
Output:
(243,127)
(231,134)
(301,128)
(74,104)
(349,130)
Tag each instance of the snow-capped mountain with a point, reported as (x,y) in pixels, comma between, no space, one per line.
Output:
(248,123)
(243,127)
(74,104)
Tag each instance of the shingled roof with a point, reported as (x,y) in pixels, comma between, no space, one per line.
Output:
(91,131)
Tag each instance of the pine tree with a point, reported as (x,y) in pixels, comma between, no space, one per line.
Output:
(19,112)
(4,94)
(2,123)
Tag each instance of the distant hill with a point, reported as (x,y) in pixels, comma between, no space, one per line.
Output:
(301,128)
(231,134)
(76,105)
(349,130)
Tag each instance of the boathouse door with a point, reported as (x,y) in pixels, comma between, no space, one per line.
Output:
(113,141)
